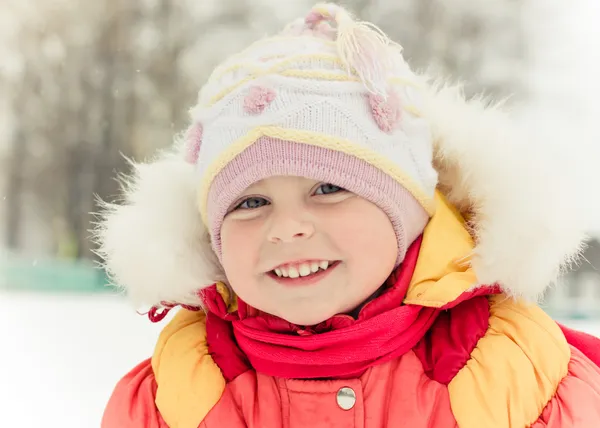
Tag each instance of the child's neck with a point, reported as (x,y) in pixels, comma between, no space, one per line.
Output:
(354,313)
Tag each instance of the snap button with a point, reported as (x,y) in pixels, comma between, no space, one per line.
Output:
(346,398)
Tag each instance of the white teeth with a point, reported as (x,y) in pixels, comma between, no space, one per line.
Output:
(293,272)
(304,269)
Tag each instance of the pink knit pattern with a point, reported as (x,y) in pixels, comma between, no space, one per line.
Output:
(386,112)
(258,98)
(271,157)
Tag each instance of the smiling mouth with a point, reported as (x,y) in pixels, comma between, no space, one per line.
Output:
(303,273)
(308,268)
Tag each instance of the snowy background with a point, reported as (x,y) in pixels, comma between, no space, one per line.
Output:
(82,82)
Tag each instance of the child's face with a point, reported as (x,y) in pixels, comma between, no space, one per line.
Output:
(299,223)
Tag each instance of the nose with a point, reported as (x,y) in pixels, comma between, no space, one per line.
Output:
(288,227)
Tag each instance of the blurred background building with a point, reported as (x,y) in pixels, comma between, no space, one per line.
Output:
(84,85)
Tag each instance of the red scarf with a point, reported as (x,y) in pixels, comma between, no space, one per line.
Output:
(339,347)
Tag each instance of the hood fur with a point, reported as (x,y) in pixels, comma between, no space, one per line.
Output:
(527,194)
(523,194)
(154,244)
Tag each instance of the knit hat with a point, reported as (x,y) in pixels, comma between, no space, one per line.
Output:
(329,99)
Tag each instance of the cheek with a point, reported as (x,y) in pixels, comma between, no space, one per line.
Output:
(240,247)
(365,234)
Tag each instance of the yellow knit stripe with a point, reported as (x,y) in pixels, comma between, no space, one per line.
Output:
(334,76)
(245,57)
(333,59)
(181,363)
(318,139)
(294,59)
(279,69)
(514,370)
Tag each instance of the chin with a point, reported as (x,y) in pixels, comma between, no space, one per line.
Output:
(304,319)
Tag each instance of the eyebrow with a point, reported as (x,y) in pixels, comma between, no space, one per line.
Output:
(251,191)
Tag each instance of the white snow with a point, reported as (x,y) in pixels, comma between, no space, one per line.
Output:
(62,355)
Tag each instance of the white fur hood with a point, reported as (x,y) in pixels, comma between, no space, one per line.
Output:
(528,193)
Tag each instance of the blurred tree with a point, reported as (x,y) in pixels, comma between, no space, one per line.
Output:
(484,44)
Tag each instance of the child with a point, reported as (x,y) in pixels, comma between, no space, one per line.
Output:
(350,247)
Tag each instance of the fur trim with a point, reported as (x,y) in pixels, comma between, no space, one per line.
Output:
(155,245)
(525,195)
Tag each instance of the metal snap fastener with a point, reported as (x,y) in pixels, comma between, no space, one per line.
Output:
(346,398)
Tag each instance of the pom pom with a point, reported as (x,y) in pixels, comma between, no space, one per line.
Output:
(387,112)
(258,99)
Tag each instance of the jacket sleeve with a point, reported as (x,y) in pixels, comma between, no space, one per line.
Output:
(587,344)
(576,402)
(132,402)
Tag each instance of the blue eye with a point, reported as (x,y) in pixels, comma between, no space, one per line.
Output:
(327,189)
(252,203)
